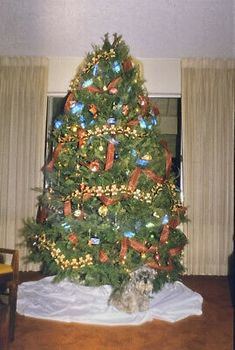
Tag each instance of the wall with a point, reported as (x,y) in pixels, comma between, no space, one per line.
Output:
(162,75)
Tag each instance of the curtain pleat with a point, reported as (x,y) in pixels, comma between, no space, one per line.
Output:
(208,170)
(23,98)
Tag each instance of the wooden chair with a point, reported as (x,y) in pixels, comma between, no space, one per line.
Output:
(9,279)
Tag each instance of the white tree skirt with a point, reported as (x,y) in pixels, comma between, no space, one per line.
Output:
(69,302)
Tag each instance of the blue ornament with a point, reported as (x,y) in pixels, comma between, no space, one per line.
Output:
(66,226)
(116,156)
(83,125)
(142,123)
(112,140)
(95,240)
(92,122)
(58,123)
(129,234)
(133,152)
(77,107)
(111,120)
(149,126)
(165,219)
(95,69)
(82,119)
(87,83)
(142,162)
(154,121)
(116,66)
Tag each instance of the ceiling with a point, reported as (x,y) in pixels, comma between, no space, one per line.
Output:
(151,28)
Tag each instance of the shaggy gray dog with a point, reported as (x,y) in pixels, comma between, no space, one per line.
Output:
(133,295)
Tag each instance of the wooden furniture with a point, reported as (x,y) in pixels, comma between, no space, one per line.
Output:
(4,327)
(9,277)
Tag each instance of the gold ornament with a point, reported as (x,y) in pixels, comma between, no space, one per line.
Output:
(103,210)
(74,128)
(147,157)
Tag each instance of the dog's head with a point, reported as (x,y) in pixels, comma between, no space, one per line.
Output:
(143,278)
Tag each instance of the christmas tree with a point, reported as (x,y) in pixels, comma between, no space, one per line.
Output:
(110,204)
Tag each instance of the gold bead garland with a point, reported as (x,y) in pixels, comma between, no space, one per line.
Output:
(60,259)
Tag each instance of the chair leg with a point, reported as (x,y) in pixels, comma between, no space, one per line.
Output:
(12,301)
(4,327)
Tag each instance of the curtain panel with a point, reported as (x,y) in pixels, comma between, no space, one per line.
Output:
(23,98)
(208,170)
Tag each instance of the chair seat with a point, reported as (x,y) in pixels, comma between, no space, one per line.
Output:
(5,268)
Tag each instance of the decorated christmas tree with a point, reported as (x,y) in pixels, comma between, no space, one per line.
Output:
(110,204)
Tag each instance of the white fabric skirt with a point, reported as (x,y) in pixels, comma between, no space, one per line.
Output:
(69,302)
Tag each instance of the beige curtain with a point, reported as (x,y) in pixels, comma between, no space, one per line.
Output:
(23,91)
(208,136)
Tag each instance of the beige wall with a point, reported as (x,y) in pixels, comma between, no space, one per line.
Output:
(162,75)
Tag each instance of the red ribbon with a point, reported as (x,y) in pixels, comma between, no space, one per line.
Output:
(109,156)
(113,84)
(154,265)
(164,234)
(68,102)
(124,245)
(168,156)
(81,134)
(103,257)
(107,200)
(55,156)
(67,208)
(42,214)
(136,174)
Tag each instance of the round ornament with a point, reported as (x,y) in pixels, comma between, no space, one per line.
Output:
(103,210)
(94,166)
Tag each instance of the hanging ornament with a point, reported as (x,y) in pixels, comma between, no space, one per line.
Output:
(128,234)
(72,237)
(58,123)
(157,257)
(133,152)
(154,121)
(74,128)
(94,240)
(113,91)
(94,166)
(66,226)
(142,122)
(93,109)
(103,210)
(87,83)
(165,219)
(155,110)
(95,70)
(76,107)
(143,101)
(125,110)
(149,225)
(116,67)
(147,157)
(80,214)
(142,162)
(82,121)
(116,156)
(111,120)
(103,257)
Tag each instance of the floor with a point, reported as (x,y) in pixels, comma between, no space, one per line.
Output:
(213,330)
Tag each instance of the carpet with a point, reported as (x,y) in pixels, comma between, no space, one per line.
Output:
(69,302)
